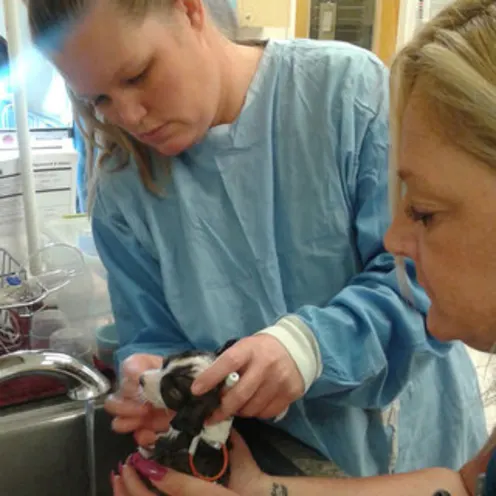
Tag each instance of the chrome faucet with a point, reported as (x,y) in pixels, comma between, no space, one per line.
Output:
(84,382)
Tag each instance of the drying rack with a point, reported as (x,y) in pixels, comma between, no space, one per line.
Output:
(15,323)
(23,294)
(9,267)
(14,318)
(11,335)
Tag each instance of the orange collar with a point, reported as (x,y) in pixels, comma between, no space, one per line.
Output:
(215,477)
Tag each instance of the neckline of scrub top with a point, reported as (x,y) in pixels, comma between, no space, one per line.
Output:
(241,134)
(245,130)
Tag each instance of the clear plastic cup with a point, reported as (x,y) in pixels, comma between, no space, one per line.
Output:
(43,324)
(74,342)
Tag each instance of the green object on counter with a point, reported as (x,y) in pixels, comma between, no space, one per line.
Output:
(107,342)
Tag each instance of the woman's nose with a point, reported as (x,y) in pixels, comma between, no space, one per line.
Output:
(129,112)
(399,239)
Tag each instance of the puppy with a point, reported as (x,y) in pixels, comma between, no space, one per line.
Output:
(187,439)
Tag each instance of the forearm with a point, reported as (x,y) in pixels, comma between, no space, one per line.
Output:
(420,483)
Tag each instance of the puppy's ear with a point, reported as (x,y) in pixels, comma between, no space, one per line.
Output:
(183,383)
(225,347)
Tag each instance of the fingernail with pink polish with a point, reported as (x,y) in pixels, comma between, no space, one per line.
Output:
(147,468)
(120,468)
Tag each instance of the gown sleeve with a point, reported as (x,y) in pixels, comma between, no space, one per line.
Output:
(362,347)
(143,319)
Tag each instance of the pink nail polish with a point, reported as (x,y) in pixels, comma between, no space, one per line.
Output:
(147,468)
(120,468)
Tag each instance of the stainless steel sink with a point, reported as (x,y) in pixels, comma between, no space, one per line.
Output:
(43,450)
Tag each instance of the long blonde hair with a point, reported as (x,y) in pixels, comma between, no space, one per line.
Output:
(99,134)
(452,60)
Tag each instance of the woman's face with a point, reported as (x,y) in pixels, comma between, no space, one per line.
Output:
(447,225)
(156,79)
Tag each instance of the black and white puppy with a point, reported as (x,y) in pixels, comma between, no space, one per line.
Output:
(170,388)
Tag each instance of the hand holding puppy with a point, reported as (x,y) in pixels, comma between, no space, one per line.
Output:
(131,414)
(270,380)
(246,478)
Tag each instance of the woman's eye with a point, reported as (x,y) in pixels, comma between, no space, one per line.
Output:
(137,78)
(99,100)
(419,216)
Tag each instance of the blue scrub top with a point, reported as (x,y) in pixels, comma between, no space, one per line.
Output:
(283,212)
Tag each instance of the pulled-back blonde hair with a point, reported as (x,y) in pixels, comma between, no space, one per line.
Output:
(47,15)
(452,61)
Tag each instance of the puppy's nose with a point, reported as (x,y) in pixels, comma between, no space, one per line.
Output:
(141,381)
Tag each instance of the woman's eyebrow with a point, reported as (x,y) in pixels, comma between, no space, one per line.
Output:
(433,189)
(122,72)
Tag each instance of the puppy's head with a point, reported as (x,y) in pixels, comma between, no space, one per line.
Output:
(170,386)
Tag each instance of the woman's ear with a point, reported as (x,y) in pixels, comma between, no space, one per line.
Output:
(225,347)
(195,11)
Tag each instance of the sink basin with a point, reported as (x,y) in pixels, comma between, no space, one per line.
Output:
(44,450)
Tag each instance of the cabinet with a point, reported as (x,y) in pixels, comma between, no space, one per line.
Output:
(263,13)
(372,24)
(344,20)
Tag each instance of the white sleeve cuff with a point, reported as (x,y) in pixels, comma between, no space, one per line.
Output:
(301,344)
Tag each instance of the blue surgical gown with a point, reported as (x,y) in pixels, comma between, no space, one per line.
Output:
(284,212)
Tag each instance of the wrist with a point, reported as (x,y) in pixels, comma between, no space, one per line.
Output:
(468,475)
(470,472)
(301,345)
(270,486)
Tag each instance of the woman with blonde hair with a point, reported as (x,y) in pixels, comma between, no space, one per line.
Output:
(444,162)
(242,193)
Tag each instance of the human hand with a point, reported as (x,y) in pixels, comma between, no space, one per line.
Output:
(131,414)
(246,478)
(269,379)
(478,465)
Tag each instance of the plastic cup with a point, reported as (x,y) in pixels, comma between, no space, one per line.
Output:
(107,341)
(74,342)
(43,324)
